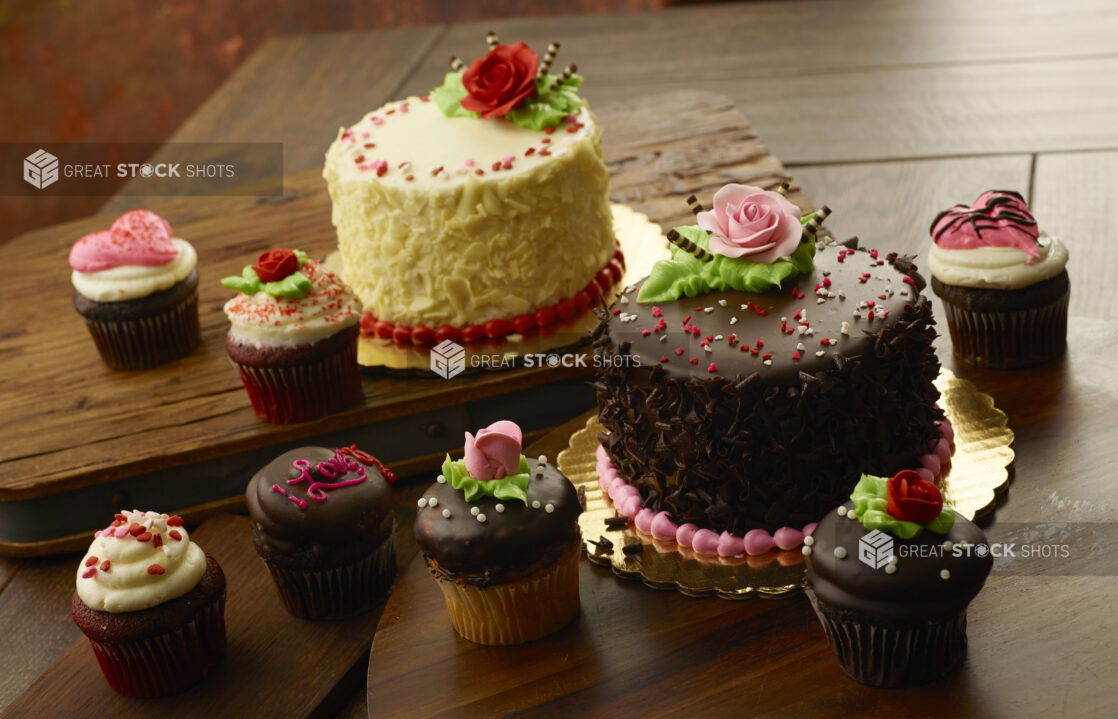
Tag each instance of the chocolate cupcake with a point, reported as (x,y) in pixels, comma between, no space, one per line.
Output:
(1002,281)
(293,337)
(152,604)
(322,522)
(499,532)
(137,288)
(890,575)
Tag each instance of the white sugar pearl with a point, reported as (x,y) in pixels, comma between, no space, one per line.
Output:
(500,508)
(433,502)
(440,479)
(890,568)
(481,518)
(948,546)
(422,502)
(542,459)
(944,574)
(809,540)
(840,552)
(446,513)
(535,504)
(807,551)
(841,511)
(549,508)
(474,511)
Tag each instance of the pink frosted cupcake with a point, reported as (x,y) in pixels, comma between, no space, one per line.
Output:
(294,337)
(137,288)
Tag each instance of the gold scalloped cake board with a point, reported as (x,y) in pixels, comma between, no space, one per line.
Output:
(643,244)
(979,471)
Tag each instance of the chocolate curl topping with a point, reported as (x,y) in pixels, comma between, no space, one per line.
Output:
(694,204)
(689,247)
(816,221)
(567,72)
(548,58)
(456,63)
(783,189)
(492,40)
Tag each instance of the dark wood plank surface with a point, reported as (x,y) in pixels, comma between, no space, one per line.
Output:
(872,102)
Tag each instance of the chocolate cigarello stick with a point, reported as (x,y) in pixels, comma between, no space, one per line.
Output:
(783,189)
(816,221)
(548,58)
(492,39)
(567,72)
(689,247)
(693,203)
(456,63)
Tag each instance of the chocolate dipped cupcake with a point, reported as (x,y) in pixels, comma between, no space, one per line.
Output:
(137,289)
(499,532)
(322,522)
(293,337)
(152,605)
(1003,282)
(890,575)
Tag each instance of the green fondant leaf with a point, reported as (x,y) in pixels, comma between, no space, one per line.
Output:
(943,523)
(248,282)
(685,276)
(301,257)
(448,97)
(514,486)
(870,498)
(292,287)
(547,109)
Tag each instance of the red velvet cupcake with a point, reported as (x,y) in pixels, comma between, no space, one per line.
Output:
(293,337)
(152,604)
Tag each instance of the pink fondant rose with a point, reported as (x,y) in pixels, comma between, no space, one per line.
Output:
(500,81)
(750,222)
(911,498)
(495,451)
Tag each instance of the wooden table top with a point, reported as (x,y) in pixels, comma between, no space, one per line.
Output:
(887,112)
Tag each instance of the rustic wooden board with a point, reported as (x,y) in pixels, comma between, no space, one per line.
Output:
(134,422)
(277,665)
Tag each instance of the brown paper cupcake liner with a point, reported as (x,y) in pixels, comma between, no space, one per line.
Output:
(339,592)
(883,655)
(131,344)
(300,393)
(168,663)
(1009,340)
(519,611)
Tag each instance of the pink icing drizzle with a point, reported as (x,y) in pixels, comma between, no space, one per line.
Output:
(626,499)
(332,468)
(139,237)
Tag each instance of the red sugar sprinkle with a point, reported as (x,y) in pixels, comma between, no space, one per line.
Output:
(824,341)
(873,254)
(507,166)
(908,280)
(767,355)
(882,297)
(174,521)
(155,569)
(145,537)
(382,170)
(135,529)
(549,130)
(496,166)
(424,98)
(530,151)
(89,572)
(796,355)
(479,171)
(686,319)
(409,178)
(390,112)
(370,145)
(712,368)
(359,159)
(105,565)
(545,140)
(753,351)
(695,331)
(437,170)
(545,153)
(698,309)
(869,303)
(797,315)
(678,351)
(91,561)
(657,312)
(694,360)
(759,343)
(616,312)
(710,338)
(826,281)
(663,358)
(157,541)
(174,534)
(119,517)
(645,333)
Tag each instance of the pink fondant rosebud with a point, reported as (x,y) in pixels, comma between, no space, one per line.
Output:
(495,451)
(749,222)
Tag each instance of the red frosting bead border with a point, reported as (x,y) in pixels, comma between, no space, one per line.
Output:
(564,309)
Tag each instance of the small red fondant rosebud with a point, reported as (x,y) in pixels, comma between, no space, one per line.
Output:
(274,265)
(910,498)
(501,81)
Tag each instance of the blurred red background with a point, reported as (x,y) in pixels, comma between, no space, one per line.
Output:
(133,70)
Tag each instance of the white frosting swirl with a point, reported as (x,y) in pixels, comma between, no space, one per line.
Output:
(130,282)
(263,320)
(998,268)
(127,583)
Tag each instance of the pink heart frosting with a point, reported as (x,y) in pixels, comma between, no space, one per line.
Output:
(998,218)
(138,237)
(495,451)
(750,222)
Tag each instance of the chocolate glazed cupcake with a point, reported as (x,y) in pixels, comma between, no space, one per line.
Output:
(293,337)
(499,532)
(1003,283)
(890,575)
(137,288)
(322,522)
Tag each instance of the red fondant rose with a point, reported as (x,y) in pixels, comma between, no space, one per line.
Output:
(912,499)
(501,80)
(274,265)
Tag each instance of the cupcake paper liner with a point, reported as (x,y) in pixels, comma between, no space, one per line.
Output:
(168,663)
(1009,340)
(883,655)
(338,592)
(300,393)
(519,611)
(131,344)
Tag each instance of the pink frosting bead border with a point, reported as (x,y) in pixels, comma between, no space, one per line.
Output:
(626,500)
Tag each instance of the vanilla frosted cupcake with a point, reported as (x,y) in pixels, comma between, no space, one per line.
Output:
(152,604)
(137,288)
(293,337)
(1003,282)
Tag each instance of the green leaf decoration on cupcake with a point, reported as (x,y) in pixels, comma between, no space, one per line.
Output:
(685,275)
(872,508)
(279,268)
(514,486)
